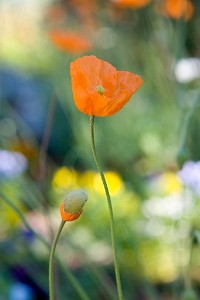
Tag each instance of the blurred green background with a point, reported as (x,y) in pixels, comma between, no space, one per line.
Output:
(45,149)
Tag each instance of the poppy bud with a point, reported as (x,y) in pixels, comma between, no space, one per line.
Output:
(72,206)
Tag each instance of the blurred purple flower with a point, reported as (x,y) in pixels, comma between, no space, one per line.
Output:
(12,163)
(190,175)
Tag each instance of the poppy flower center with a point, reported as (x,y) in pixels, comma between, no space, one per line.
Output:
(99,89)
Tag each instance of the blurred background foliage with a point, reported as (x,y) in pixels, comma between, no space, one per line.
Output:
(146,149)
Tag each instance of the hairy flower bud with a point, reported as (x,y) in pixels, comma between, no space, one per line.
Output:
(72,206)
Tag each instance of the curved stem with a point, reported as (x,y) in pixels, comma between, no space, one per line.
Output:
(116,264)
(51,289)
(72,279)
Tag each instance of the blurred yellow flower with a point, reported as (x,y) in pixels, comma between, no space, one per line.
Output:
(86,179)
(64,178)
(9,217)
(158,262)
(127,205)
(170,183)
(114,181)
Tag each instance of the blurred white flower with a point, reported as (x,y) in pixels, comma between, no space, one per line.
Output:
(172,206)
(187,69)
(12,163)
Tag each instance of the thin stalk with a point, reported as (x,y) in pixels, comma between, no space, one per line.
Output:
(22,218)
(43,171)
(112,225)
(46,138)
(51,287)
(187,121)
(65,270)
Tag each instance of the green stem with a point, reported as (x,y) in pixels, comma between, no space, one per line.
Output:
(51,288)
(116,264)
(65,270)
(187,121)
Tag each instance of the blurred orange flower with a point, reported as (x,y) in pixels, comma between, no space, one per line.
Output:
(70,42)
(177,9)
(98,88)
(84,8)
(55,13)
(131,3)
(68,216)
(86,12)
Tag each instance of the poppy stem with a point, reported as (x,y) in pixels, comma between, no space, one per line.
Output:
(51,288)
(113,236)
(76,285)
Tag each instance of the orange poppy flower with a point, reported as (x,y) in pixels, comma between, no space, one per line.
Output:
(68,216)
(177,9)
(98,88)
(131,3)
(70,42)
